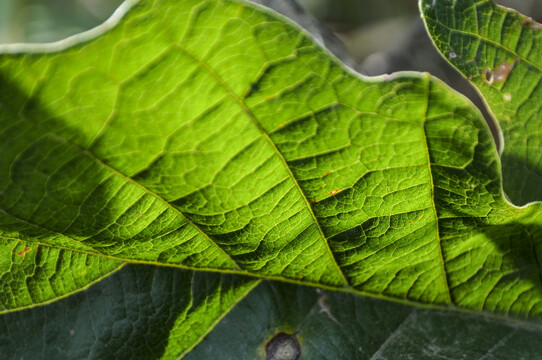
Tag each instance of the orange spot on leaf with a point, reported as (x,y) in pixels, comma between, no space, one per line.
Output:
(23,253)
(326,174)
(333,192)
(314,200)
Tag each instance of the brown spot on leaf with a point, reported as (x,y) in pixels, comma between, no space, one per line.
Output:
(327,173)
(283,346)
(500,73)
(333,192)
(25,250)
(532,24)
(314,200)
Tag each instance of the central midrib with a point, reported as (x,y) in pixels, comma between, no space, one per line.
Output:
(251,115)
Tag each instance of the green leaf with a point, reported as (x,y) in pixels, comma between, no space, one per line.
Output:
(216,136)
(333,325)
(243,147)
(500,52)
(32,274)
(141,312)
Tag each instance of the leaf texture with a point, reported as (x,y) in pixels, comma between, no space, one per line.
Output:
(215,135)
(141,312)
(333,325)
(32,274)
(500,52)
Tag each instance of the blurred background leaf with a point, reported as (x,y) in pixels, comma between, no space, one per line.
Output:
(51,20)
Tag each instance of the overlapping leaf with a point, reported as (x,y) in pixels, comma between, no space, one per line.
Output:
(145,312)
(500,52)
(340,326)
(141,312)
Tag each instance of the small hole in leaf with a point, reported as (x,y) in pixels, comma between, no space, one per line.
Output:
(283,347)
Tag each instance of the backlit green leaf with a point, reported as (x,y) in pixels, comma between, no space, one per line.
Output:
(32,274)
(214,135)
(242,146)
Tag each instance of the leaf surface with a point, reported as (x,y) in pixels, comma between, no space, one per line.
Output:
(500,52)
(32,274)
(216,135)
(146,312)
(333,325)
(141,312)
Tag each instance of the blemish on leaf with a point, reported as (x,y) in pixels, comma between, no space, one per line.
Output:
(507,97)
(23,253)
(452,55)
(532,24)
(488,76)
(314,200)
(333,192)
(283,347)
(500,73)
(326,174)
(324,307)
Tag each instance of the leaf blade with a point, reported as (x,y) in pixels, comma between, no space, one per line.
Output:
(35,275)
(396,164)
